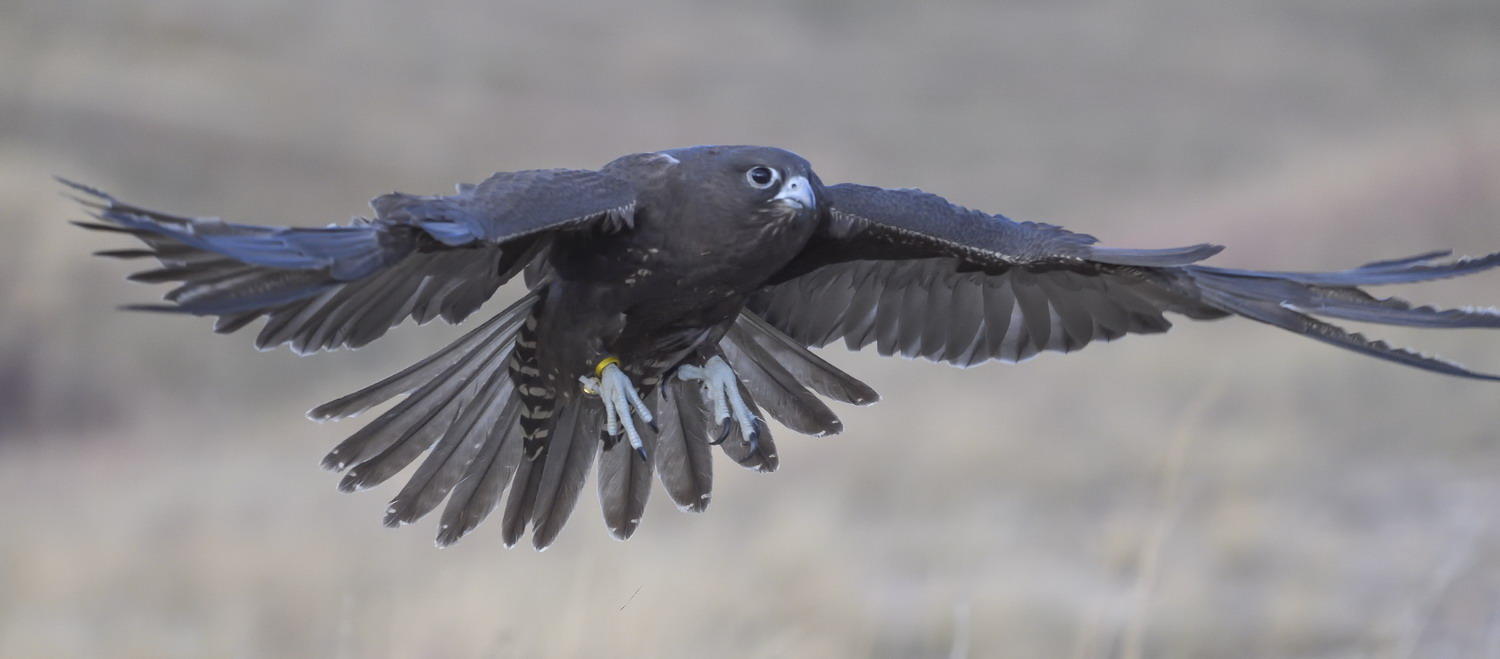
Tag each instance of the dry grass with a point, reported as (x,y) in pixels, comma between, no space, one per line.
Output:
(1223,491)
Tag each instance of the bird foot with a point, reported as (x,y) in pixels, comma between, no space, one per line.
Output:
(621,402)
(721,389)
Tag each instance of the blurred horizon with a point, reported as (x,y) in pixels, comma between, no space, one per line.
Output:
(1224,490)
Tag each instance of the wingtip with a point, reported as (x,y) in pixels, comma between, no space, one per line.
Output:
(96,226)
(125,254)
(78,186)
(153,308)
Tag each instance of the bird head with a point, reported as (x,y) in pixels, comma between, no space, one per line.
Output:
(776,186)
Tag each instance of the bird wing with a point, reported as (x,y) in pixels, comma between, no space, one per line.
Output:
(321,288)
(922,277)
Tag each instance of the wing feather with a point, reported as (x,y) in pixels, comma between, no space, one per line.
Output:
(919,276)
(421,256)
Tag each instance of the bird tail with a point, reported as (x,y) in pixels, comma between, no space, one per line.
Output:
(488,422)
(1298,302)
(559,437)
(565,429)
(462,404)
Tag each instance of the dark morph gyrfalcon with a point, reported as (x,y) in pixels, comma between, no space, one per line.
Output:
(673,296)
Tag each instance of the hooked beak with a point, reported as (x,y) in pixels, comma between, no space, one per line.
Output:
(797,192)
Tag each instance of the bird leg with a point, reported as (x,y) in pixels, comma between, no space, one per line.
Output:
(621,400)
(721,390)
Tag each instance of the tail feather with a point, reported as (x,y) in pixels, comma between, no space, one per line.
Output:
(464,406)
(573,445)
(807,368)
(683,459)
(477,493)
(456,451)
(625,484)
(760,455)
(539,420)
(424,405)
(494,331)
(786,399)
(521,500)
(385,446)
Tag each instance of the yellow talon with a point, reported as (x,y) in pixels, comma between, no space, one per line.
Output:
(605,363)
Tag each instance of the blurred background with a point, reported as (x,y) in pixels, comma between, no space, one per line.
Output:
(1225,490)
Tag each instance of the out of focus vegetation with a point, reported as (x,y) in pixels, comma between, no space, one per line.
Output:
(1221,491)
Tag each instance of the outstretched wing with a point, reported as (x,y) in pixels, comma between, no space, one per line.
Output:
(321,288)
(921,277)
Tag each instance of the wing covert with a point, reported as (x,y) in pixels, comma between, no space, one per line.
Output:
(924,224)
(513,205)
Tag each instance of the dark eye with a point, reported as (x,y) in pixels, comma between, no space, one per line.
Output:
(761,176)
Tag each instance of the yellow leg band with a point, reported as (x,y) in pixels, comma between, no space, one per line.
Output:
(603,364)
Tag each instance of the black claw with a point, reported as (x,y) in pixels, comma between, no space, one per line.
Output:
(754,438)
(608,439)
(641,451)
(723,434)
(654,428)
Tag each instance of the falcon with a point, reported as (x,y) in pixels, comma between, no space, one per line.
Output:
(671,302)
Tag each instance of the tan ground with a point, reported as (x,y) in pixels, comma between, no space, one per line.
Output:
(1222,491)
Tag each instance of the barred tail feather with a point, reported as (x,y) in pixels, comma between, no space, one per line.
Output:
(572,447)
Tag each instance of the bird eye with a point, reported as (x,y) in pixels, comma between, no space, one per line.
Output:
(761,176)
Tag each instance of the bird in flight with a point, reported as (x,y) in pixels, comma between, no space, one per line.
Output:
(672,299)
